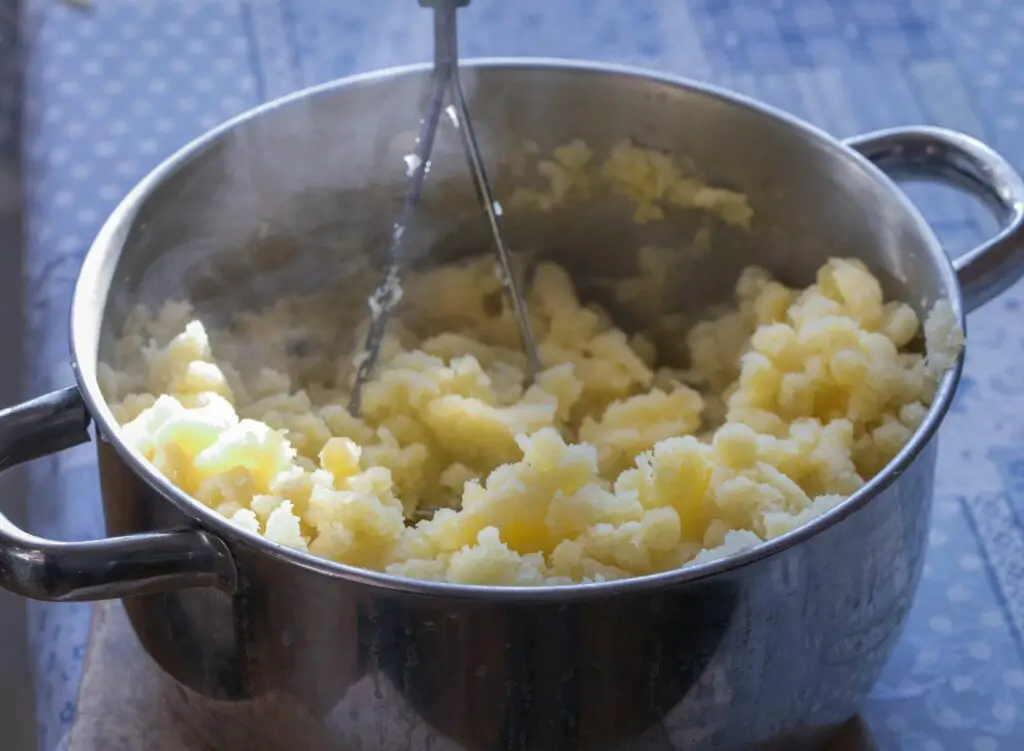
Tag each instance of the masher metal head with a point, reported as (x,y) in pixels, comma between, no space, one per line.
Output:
(444,80)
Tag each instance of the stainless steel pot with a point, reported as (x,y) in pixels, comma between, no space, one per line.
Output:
(277,649)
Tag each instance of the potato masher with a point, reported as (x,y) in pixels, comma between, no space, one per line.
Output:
(444,80)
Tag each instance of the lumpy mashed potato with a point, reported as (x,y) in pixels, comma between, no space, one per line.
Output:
(607,466)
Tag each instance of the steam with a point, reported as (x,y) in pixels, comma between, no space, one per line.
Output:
(297,201)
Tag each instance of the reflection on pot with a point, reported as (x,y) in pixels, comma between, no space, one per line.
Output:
(539,676)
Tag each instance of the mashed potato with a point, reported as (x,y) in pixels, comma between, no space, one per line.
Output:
(607,466)
(650,180)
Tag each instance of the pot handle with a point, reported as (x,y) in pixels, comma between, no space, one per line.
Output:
(96,569)
(959,160)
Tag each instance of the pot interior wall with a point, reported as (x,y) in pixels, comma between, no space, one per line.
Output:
(301,198)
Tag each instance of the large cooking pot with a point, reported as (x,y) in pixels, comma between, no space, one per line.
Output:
(273,648)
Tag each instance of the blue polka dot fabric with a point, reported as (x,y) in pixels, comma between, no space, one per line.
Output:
(113,86)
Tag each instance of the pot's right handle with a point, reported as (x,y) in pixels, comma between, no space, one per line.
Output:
(96,569)
(922,152)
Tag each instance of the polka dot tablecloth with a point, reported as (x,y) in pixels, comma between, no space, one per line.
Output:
(112,87)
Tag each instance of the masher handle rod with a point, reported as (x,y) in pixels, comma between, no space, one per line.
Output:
(490,207)
(389,292)
(446,49)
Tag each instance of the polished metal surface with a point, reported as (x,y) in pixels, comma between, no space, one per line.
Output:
(155,561)
(769,649)
(444,79)
(963,161)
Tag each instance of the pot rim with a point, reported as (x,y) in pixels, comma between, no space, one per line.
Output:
(93,287)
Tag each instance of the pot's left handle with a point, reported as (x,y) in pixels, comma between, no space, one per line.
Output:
(97,569)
